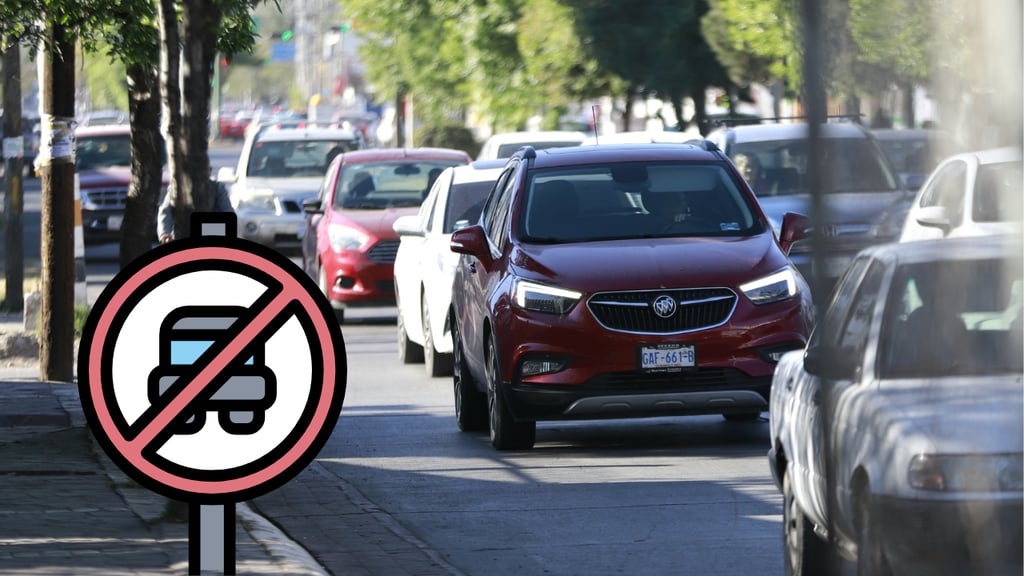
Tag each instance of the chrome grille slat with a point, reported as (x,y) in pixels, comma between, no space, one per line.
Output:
(108,197)
(631,311)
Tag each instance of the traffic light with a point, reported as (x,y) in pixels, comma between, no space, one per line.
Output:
(345,26)
(287,36)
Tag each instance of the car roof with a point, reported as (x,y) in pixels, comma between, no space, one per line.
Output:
(480,171)
(992,155)
(963,248)
(605,153)
(385,154)
(641,137)
(536,136)
(292,134)
(791,131)
(103,130)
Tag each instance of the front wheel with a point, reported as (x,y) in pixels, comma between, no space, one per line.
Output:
(506,433)
(870,557)
(806,553)
(408,351)
(436,363)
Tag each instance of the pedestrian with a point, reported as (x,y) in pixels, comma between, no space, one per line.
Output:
(165,215)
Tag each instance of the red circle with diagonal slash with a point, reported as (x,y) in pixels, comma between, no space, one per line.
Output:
(96,378)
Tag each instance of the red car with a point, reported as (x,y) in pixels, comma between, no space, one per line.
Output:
(349,246)
(621,281)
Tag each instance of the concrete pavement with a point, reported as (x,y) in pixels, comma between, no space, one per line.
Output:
(66,509)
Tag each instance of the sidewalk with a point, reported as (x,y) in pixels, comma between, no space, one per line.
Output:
(66,509)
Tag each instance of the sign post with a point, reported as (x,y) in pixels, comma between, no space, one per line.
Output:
(183,356)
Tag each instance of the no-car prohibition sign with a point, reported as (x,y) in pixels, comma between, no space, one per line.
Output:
(212,324)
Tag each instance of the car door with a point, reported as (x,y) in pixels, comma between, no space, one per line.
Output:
(807,442)
(415,263)
(481,277)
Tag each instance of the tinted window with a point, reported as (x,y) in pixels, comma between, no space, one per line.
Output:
(596,202)
(855,165)
(997,192)
(465,201)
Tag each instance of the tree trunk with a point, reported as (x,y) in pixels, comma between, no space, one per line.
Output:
(170,47)
(139,228)
(57,167)
(700,113)
(14,199)
(909,113)
(200,22)
(677,106)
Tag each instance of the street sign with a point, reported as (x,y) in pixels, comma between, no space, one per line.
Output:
(212,325)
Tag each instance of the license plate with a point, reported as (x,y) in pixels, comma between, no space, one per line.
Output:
(114,223)
(667,357)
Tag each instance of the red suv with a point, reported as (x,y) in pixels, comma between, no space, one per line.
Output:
(621,281)
(349,246)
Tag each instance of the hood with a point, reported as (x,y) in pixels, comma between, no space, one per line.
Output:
(108,176)
(650,263)
(961,414)
(285,187)
(376,222)
(846,208)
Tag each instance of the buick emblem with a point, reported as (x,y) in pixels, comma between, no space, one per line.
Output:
(664,306)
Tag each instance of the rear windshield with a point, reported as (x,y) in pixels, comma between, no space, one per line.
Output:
(855,165)
(378,185)
(636,200)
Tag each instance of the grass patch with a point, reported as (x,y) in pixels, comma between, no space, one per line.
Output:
(31,283)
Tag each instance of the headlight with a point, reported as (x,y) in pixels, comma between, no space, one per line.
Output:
(87,204)
(772,288)
(542,298)
(967,472)
(261,200)
(346,237)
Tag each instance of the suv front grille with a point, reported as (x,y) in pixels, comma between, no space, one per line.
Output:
(108,198)
(384,251)
(696,309)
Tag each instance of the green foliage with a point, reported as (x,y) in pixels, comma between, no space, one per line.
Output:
(454,136)
(81,314)
(755,41)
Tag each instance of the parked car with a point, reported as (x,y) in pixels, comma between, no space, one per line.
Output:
(425,264)
(504,144)
(914,152)
(969,194)
(103,118)
(233,125)
(103,159)
(620,281)
(349,243)
(896,436)
(863,186)
(277,170)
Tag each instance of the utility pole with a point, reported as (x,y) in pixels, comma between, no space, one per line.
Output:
(14,187)
(57,173)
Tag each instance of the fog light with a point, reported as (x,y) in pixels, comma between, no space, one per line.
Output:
(774,353)
(251,227)
(535,367)
(346,282)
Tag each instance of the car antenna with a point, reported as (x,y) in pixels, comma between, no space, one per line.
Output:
(593,112)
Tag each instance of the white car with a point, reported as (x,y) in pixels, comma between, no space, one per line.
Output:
(278,169)
(643,137)
(505,144)
(425,264)
(897,436)
(969,194)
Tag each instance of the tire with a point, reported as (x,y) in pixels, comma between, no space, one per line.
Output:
(742,417)
(408,351)
(470,403)
(506,433)
(870,556)
(321,281)
(437,364)
(805,553)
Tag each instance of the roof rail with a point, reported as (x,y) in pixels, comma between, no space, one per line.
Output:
(740,120)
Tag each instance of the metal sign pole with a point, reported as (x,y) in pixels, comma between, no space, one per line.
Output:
(211,527)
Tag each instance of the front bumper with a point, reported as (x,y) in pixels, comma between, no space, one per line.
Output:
(354,279)
(951,537)
(282,232)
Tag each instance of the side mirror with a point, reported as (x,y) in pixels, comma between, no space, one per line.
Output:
(312,206)
(227,175)
(408,226)
(795,227)
(935,217)
(471,241)
(829,364)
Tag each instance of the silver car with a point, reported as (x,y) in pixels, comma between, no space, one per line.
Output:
(277,170)
(897,437)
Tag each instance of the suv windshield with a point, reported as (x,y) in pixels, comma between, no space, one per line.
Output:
(377,185)
(635,200)
(103,151)
(855,165)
